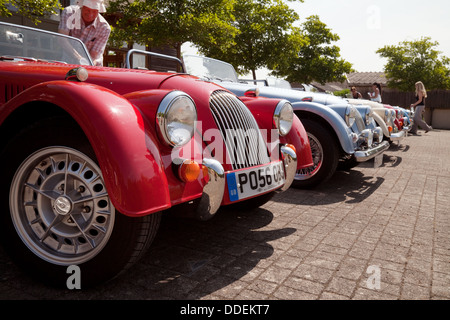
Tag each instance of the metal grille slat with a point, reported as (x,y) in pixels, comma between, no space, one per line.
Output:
(225,123)
(233,130)
(247,127)
(252,131)
(237,130)
(245,145)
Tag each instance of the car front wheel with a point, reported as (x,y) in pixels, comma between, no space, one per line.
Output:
(58,213)
(324,153)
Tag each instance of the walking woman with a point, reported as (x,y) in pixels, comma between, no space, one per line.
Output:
(421,95)
(376,94)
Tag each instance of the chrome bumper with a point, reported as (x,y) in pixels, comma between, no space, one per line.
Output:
(364,155)
(213,191)
(398,136)
(407,129)
(290,166)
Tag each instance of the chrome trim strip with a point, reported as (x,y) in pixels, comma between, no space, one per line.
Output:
(362,156)
(158,55)
(398,136)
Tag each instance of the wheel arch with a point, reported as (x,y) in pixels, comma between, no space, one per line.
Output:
(382,124)
(27,114)
(115,253)
(314,117)
(108,133)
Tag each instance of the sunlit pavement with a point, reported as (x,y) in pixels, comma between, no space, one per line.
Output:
(367,234)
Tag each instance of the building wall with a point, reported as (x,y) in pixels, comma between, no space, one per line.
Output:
(437,112)
(438,118)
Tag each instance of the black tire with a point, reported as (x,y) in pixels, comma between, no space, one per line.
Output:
(101,241)
(325,152)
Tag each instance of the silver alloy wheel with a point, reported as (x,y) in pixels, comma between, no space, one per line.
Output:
(317,155)
(60,207)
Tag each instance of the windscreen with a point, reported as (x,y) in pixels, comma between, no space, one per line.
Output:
(203,67)
(22,43)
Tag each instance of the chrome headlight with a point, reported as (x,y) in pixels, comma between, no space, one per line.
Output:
(393,117)
(386,115)
(350,116)
(367,136)
(378,135)
(406,121)
(176,119)
(389,116)
(368,116)
(283,117)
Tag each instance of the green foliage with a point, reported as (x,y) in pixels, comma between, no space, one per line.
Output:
(31,9)
(412,61)
(264,35)
(342,93)
(246,33)
(317,59)
(249,34)
(173,22)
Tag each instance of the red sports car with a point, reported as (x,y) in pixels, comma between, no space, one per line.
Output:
(91,156)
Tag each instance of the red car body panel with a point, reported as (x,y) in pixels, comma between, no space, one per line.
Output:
(263,110)
(86,151)
(299,139)
(127,153)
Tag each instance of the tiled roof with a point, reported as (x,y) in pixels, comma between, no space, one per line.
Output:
(353,79)
(366,78)
(331,86)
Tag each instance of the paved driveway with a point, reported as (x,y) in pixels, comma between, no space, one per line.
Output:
(368,234)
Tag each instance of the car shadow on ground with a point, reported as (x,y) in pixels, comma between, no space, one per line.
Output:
(344,186)
(188,259)
(191,259)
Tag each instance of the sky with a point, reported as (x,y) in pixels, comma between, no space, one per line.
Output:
(364,26)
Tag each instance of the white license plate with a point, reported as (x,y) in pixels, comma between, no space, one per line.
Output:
(251,182)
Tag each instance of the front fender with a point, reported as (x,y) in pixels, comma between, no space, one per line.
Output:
(147,103)
(127,153)
(299,139)
(330,116)
(382,124)
(263,110)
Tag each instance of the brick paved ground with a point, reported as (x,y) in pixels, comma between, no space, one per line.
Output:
(316,244)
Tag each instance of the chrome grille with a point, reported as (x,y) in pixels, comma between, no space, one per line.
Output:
(245,145)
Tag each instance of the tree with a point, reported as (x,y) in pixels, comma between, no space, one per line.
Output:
(29,8)
(172,22)
(265,34)
(316,60)
(412,61)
